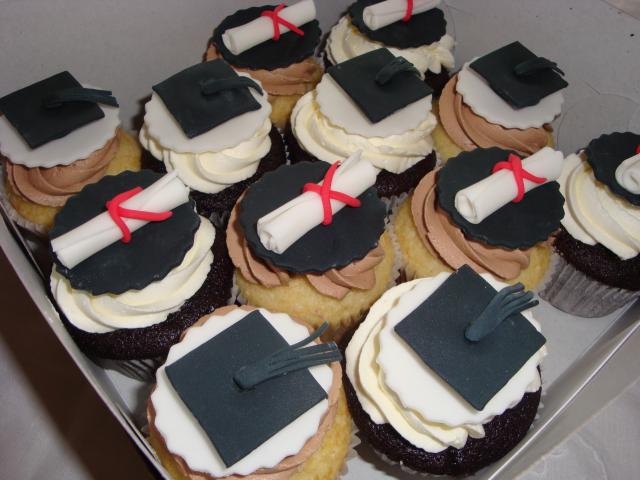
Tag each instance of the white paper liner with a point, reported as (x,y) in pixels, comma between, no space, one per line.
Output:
(143,370)
(39,230)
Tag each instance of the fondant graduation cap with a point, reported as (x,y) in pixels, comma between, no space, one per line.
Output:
(238,420)
(518,76)
(466,306)
(206,95)
(52,108)
(380,83)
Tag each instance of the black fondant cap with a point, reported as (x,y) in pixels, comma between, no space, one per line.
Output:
(238,421)
(26,110)
(518,76)
(197,105)
(435,330)
(377,99)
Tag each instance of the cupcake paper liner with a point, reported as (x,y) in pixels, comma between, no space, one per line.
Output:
(143,370)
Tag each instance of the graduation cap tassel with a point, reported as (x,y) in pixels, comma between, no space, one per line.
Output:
(216,85)
(289,359)
(79,94)
(535,65)
(393,68)
(509,300)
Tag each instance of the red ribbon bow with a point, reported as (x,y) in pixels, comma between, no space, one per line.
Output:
(277,20)
(409,12)
(326,194)
(514,163)
(117,213)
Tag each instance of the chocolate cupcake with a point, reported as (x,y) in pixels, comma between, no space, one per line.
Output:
(505,99)
(125,288)
(56,136)
(413,30)
(598,267)
(443,377)
(275,45)
(215,384)
(212,126)
(375,103)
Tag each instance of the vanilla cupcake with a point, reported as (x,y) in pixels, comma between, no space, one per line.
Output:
(215,383)
(413,30)
(282,59)
(505,99)
(463,214)
(57,136)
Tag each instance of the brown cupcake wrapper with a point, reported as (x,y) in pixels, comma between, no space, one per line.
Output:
(143,370)
(571,291)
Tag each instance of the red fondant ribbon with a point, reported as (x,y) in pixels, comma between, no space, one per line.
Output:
(277,21)
(117,213)
(514,163)
(326,194)
(638,149)
(409,12)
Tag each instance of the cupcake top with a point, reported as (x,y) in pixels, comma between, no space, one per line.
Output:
(504,99)
(438,372)
(375,103)
(206,417)
(210,124)
(603,199)
(416,32)
(106,243)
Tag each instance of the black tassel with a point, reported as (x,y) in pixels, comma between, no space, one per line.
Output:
(79,94)
(215,85)
(394,67)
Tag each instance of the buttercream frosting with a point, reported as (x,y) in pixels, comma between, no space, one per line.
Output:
(138,308)
(444,239)
(345,42)
(395,387)
(593,214)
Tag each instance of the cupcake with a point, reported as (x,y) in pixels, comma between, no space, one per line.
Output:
(298,249)
(598,267)
(275,45)
(211,125)
(443,375)
(56,136)
(376,103)
(135,265)
(487,209)
(413,30)
(217,382)
(506,99)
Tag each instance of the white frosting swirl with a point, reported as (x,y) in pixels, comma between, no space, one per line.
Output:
(138,308)
(345,42)
(395,387)
(329,142)
(593,214)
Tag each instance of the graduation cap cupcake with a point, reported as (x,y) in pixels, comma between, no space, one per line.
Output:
(250,394)
(308,240)
(134,265)
(505,99)
(211,125)
(415,30)
(488,209)
(56,136)
(599,267)
(443,374)
(376,103)
(276,45)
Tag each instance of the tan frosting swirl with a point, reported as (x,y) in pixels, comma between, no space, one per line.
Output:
(295,79)
(335,283)
(469,131)
(444,239)
(53,186)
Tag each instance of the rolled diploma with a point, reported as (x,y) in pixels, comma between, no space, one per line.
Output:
(281,228)
(628,174)
(478,201)
(244,37)
(83,241)
(390,11)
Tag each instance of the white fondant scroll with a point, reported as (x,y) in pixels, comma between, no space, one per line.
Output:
(89,238)
(244,37)
(478,201)
(281,228)
(628,174)
(390,11)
